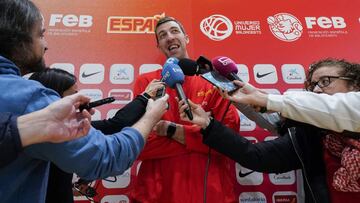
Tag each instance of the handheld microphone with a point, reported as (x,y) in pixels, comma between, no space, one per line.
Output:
(227,67)
(204,64)
(200,66)
(171,60)
(93,104)
(189,67)
(173,77)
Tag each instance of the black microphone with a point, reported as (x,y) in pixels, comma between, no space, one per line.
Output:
(189,67)
(200,66)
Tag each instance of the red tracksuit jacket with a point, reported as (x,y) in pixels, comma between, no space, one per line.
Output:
(174,173)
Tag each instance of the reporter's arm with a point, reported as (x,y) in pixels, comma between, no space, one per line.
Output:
(154,111)
(336,112)
(275,156)
(130,113)
(124,117)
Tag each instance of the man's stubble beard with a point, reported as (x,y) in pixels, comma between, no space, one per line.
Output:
(36,65)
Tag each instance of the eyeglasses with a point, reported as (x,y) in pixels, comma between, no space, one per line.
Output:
(325,81)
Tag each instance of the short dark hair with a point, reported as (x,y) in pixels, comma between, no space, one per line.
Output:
(56,79)
(165,20)
(348,69)
(17,21)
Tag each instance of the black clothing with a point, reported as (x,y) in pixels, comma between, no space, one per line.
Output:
(10,143)
(127,116)
(299,147)
(59,186)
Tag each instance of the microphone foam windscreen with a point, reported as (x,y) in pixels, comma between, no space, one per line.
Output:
(188,66)
(224,65)
(171,60)
(172,74)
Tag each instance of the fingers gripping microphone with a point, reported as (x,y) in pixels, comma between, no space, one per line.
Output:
(227,67)
(173,77)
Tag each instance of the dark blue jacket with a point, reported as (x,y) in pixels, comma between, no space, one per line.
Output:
(10,143)
(91,157)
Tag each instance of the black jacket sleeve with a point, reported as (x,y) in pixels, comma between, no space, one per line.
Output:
(10,143)
(127,116)
(275,156)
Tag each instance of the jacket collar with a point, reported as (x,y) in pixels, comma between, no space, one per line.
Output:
(8,67)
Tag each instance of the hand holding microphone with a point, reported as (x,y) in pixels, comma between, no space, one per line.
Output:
(227,67)
(173,77)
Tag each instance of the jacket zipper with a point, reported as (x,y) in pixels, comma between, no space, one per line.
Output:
(302,164)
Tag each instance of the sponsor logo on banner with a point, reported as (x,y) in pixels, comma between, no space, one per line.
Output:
(252,197)
(132,24)
(243,72)
(246,176)
(122,96)
(115,199)
(121,73)
(285,27)
(147,68)
(245,123)
(284,197)
(94,94)
(293,73)
(91,73)
(287,178)
(325,27)
(68,67)
(216,27)
(69,24)
(247,27)
(265,74)
(122,181)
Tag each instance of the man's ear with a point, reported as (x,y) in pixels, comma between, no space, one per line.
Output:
(187,39)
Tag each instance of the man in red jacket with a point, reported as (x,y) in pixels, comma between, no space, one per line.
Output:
(176,167)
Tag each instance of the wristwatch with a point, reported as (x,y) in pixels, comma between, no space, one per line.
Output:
(171,130)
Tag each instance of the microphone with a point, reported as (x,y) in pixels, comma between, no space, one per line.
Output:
(200,66)
(227,67)
(189,67)
(173,77)
(171,60)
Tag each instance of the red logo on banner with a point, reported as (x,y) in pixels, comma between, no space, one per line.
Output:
(285,199)
(216,27)
(132,24)
(285,27)
(122,96)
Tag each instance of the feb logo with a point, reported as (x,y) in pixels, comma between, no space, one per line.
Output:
(216,27)
(285,27)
